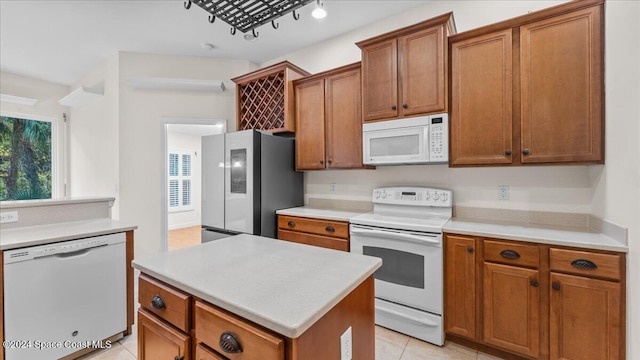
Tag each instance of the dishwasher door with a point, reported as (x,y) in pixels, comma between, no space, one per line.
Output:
(64,296)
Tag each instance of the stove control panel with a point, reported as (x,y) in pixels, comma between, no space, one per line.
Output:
(413,196)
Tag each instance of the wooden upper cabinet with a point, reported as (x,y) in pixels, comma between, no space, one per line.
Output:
(310,150)
(561,81)
(380,79)
(329,120)
(404,71)
(264,98)
(481,105)
(460,286)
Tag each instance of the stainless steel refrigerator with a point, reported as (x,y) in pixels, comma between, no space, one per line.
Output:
(247,176)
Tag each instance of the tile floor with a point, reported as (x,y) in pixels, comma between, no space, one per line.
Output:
(184,237)
(390,345)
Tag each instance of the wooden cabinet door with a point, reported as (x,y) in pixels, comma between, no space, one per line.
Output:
(380,81)
(344,120)
(584,318)
(561,80)
(310,150)
(512,308)
(422,72)
(481,100)
(460,286)
(160,341)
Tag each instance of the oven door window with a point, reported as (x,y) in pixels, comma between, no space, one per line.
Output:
(398,267)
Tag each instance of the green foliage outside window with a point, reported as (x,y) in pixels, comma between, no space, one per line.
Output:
(25,159)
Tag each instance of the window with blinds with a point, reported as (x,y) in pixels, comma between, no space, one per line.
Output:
(180,181)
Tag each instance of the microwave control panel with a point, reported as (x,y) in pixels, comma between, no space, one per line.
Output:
(439,138)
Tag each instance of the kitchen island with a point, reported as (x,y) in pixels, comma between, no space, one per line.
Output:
(249,297)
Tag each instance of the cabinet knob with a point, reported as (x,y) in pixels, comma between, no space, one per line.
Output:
(291,223)
(509,254)
(157,303)
(330,229)
(229,344)
(321,162)
(584,264)
(393,107)
(507,152)
(525,152)
(556,285)
(535,283)
(470,250)
(330,161)
(178,357)
(404,106)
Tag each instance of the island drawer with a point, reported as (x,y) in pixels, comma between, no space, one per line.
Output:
(202,353)
(315,240)
(585,263)
(509,252)
(166,302)
(223,332)
(338,229)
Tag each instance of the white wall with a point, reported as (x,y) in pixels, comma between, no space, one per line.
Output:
(93,132)
(610,191)
(140,129)
(47,94)
(191,144)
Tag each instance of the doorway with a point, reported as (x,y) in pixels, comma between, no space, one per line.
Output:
(182,181)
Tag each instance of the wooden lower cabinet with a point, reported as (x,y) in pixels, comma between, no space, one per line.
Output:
(512,308)
(585,319)
(522,300)
(317,232)
(158,340)
(202,353)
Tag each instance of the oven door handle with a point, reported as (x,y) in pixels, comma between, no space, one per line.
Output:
(394,235)
(425,322)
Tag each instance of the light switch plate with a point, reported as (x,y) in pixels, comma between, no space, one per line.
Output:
(346,345)
(8,217)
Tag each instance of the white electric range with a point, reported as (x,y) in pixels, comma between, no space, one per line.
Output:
(405,230)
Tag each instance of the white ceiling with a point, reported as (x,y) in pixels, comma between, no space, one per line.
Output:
(60,41)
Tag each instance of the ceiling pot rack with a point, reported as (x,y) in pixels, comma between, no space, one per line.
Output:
(247,15)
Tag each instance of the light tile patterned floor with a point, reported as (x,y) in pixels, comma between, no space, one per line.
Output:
(184,237)
(390,345)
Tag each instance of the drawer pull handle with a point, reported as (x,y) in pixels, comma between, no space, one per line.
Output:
(470,250)
(157,303)
(556,285)
(535,283)
(584,264)
(291,223)
(229,344)
(178,357)
(330,229)
(510,254)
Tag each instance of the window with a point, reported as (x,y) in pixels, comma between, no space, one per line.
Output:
(180,180)
(27,168)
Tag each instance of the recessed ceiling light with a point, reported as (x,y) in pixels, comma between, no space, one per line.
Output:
(207,46)
(250,37)
(319,12)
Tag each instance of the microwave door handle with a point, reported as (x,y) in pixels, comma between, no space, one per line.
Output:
(425,322)
(394,236)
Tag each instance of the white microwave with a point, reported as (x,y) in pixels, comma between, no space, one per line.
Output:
(418,140)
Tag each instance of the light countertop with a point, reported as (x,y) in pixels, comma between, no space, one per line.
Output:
(51,233)
(317,213)
(544,234)
(283,286)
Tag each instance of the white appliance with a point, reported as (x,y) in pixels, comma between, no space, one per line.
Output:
(418,140)
(405,231)
(64,295)
(247,176)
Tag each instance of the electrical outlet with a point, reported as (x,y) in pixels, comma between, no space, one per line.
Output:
(8,217)
(346,345)
(503,192)
(332,187)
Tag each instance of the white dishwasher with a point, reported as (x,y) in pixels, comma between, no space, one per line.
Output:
(64,296)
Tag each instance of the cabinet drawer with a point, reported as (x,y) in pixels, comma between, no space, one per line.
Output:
(212,323)
(511,253)
(165,302)
(314,226)
(585,263)
(315,240)
(202,353)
